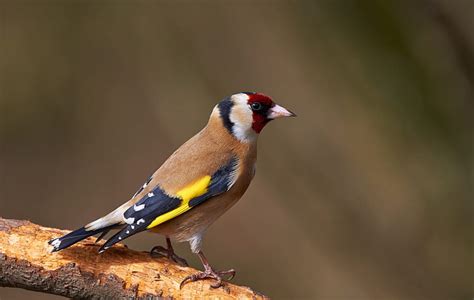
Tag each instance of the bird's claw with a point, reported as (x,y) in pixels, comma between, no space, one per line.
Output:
(209,274)
(165,252)
(159,251)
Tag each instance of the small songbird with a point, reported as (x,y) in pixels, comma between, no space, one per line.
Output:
(199,182)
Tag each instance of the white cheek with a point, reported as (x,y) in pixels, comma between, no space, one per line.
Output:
(243,130)
(241,117)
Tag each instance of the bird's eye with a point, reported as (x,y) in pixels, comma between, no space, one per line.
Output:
(256,106)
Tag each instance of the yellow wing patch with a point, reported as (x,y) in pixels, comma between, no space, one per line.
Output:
(195,189)
(187,193)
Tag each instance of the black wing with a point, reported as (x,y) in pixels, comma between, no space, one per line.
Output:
(157,203)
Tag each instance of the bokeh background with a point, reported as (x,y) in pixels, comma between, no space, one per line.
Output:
(366,195)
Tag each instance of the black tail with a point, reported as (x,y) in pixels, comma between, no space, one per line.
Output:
(76,236)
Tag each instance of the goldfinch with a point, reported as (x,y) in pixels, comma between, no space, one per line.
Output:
(198,183)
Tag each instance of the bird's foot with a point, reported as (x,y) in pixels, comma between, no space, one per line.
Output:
(209,274)
(159,251)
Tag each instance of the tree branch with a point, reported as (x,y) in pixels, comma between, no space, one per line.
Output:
(80,272)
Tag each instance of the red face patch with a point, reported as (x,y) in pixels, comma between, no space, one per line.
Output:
(263,99)
(260,104)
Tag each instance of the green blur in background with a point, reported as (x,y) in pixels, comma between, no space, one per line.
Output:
(366,195)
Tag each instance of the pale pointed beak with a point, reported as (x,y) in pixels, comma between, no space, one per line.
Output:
(278,111)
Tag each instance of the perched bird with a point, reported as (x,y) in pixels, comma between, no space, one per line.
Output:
(195,185)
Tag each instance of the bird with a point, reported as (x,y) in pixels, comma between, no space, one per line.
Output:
(199,182)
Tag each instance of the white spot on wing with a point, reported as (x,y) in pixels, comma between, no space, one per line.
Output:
(129,220)
(138,207)
(140,221)
(150,194)
(133,227)
(56,243)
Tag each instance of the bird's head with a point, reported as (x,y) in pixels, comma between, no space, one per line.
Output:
(246,114)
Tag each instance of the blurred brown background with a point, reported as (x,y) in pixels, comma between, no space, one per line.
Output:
(366,195)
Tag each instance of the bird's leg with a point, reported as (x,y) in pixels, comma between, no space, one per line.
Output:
(208,273)
(169,253)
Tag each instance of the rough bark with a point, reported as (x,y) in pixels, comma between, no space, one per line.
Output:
(80,272)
